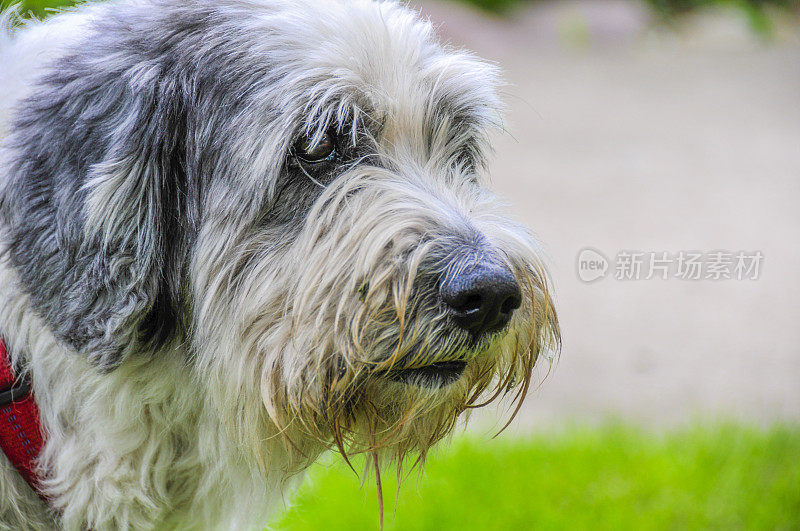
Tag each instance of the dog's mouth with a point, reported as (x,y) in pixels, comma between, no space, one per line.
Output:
(435,375)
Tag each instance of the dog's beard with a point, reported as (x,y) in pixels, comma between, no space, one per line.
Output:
(416,384)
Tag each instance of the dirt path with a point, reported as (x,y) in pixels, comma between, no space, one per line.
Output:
(638,142)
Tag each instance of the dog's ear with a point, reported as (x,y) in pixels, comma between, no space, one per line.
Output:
(94,208)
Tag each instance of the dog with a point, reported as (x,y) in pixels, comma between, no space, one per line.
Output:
(239,234)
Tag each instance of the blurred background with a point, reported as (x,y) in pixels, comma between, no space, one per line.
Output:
(655,126)
(638,127)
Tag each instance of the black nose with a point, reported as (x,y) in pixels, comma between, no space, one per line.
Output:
(481,299)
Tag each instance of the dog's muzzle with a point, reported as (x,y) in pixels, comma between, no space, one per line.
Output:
(480,300)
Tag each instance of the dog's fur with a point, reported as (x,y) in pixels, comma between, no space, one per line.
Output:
(201,313)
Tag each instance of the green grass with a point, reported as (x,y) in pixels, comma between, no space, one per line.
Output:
(39,8)
(614,477)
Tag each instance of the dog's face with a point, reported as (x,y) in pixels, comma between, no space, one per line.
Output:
(294,190)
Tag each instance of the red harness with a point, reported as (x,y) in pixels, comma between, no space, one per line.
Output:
(20,428)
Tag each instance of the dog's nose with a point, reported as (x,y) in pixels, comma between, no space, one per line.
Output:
(481,299)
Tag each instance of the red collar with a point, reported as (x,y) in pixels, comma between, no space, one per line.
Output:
(20,428)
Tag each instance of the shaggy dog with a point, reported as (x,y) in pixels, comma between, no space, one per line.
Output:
(236,234)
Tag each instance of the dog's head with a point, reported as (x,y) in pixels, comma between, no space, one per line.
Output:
(293,190)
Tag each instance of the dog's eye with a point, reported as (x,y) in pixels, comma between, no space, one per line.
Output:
(307,151)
